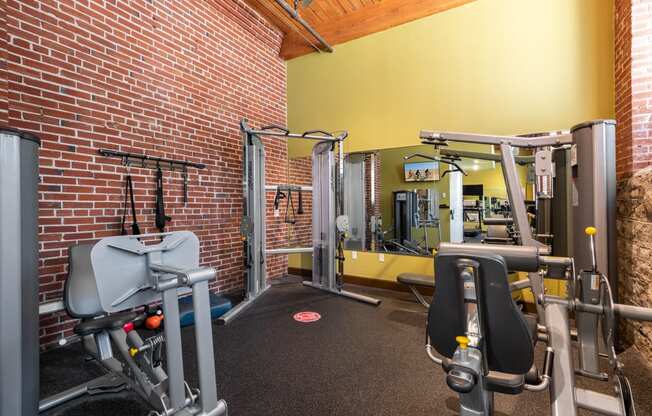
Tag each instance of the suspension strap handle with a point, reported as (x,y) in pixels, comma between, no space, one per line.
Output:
(300,209)
(123,231)
(161,218)
(135,229)
(289,208)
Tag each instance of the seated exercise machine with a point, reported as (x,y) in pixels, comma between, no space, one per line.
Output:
(484,340)
(329,226)
(108,284)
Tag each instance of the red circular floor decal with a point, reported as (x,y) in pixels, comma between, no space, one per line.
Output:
(307,317)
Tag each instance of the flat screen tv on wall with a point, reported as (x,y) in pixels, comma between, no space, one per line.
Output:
(421,171)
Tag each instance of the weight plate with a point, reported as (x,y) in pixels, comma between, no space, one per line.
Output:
(608,321)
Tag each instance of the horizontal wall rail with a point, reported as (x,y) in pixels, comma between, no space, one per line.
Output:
(127,157)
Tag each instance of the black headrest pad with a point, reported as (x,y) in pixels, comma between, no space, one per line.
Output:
(507,341)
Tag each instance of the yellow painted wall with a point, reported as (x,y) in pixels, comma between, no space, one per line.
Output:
(492,66)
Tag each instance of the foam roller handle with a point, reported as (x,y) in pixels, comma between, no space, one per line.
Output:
(548,362)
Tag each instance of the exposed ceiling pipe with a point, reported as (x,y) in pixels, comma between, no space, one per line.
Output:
(295,15)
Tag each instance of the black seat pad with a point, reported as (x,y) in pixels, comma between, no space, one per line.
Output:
(508,344)
(416,279)
(93,326)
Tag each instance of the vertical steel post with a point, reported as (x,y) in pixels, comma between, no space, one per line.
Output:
(172,329)
(204,343)
(456,203)
(562,384)
(324,207)
(593,201)
(516,197)
(19,341)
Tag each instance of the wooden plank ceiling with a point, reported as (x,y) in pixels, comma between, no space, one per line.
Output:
(339,21)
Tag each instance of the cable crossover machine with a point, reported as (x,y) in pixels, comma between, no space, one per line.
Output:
(329,226)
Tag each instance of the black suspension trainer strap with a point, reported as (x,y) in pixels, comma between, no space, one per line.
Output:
(290,215)
(161,218)
(135,229)
(129,194)
(300,209)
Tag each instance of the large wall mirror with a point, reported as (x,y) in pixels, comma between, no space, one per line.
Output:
(407,200)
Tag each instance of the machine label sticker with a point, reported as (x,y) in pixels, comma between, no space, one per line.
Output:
(307,317)
(575,195)
(574,155)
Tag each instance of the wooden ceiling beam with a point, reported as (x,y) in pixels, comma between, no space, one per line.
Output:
(365,21)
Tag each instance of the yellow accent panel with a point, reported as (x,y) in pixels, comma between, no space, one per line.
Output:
(491,66)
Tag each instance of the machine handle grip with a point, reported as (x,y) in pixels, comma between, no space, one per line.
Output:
(460,381)
(276,127)
(311,132)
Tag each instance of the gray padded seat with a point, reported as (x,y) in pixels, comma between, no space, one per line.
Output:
(416,279)
(80,292)
(82,300)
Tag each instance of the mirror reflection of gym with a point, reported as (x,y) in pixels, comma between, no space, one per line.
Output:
(407,200)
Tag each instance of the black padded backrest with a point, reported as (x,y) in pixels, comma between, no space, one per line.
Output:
(507,341)
(80,292)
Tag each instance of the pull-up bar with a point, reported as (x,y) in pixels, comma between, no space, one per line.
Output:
(280,131)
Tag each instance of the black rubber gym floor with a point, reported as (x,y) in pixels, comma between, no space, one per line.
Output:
(357,360)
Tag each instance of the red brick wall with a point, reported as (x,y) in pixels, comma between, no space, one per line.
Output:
(300,173)
(641,84)
(3,64)
(633,51)
(623,93)
(166,78)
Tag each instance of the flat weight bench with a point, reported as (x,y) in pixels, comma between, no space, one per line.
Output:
(414,281)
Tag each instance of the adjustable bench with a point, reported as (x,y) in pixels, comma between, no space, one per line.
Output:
(415,280)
